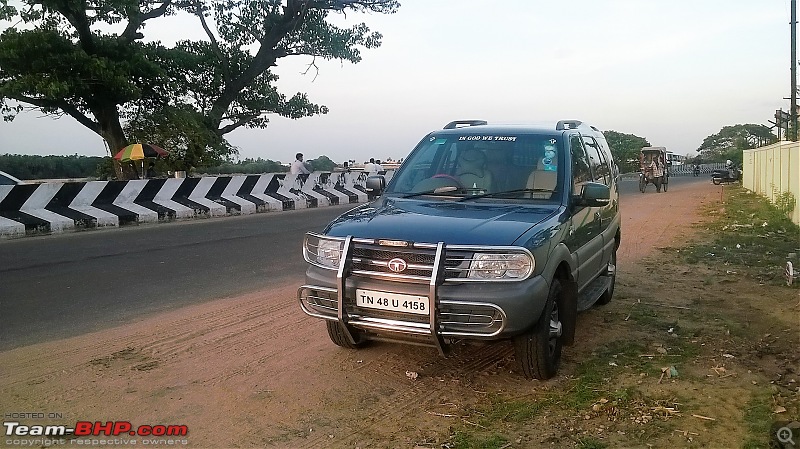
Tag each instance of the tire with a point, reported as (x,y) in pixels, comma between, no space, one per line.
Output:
(657,182)
(611,270)
(716,181)
(665,184)
(538,351)
(338,336)
(642,184)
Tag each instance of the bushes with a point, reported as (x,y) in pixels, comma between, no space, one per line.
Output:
(27,167)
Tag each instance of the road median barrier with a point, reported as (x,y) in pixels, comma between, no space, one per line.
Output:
(54,207)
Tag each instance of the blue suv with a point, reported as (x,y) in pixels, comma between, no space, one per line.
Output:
(485,232)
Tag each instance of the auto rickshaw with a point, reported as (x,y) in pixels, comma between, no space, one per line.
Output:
(653,168)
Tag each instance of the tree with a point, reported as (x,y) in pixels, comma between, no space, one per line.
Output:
(625,149)
(730,141)
(60,59)
(322,163)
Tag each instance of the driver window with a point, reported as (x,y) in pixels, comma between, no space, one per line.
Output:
(437,156)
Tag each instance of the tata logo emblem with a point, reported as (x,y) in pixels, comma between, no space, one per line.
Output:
(398,265)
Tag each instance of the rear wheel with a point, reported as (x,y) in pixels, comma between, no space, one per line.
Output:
(538,351)
(611,271)
(716,181)
(642,184)
(339,337)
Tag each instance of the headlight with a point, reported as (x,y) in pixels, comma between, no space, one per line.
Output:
(500,266)
(321,251)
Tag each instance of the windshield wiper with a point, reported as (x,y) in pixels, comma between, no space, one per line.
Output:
(504,193)
(437,191)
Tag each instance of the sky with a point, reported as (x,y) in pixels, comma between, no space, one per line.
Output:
(671,71)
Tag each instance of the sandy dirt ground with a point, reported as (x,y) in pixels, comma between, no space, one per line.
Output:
(254,371)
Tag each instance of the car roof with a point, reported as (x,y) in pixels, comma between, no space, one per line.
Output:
(482,126)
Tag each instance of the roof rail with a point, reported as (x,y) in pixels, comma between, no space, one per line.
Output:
(455,123)
(568,124)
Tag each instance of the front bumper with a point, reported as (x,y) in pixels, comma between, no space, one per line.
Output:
(467,310)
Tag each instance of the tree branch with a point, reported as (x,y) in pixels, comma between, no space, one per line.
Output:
(78,19)
(241,122)
(214,44)
(68,109)
(293,15)
(136,19)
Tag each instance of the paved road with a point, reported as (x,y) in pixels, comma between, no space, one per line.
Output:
(65,285)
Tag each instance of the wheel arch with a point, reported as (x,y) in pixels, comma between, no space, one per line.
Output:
(568,302)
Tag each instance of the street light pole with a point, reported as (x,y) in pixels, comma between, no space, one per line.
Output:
(793,110)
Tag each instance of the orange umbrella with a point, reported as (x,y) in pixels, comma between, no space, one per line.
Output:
(138,151)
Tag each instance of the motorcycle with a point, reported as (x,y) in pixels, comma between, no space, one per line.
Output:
(725,175)
(696,170)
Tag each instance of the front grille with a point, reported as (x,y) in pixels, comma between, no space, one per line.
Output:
(370,258)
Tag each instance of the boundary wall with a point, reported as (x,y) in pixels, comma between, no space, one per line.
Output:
(772,170)
(53,207)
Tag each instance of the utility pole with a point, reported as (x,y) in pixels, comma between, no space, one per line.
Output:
(793,110)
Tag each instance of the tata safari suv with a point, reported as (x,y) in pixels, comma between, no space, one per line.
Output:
(484,233)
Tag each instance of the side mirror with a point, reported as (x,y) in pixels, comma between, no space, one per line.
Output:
(595,194)
(376,184)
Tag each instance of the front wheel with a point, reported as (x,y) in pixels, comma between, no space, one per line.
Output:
(538,351)
(716,181)
(642,183)
(338,336)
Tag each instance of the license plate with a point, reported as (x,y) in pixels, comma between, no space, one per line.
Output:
(395,302)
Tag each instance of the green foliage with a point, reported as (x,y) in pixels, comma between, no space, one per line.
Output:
(784,201)
(730,141)
(751,236)
(625,148)
(182,132)
(28,167)
(105,169)
(246,167)
(591,443)
(465,440)
(59,57)
(758,416)
(322,163)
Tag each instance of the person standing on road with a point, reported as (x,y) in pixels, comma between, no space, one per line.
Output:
(369,167)
(298,167)
(657,169)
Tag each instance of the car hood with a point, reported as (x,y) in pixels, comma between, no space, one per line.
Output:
(451,222)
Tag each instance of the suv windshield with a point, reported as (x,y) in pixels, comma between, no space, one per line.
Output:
(490,165)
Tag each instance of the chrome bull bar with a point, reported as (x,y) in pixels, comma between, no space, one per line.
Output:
(431,329)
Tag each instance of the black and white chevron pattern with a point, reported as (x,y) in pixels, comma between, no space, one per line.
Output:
(58,207)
